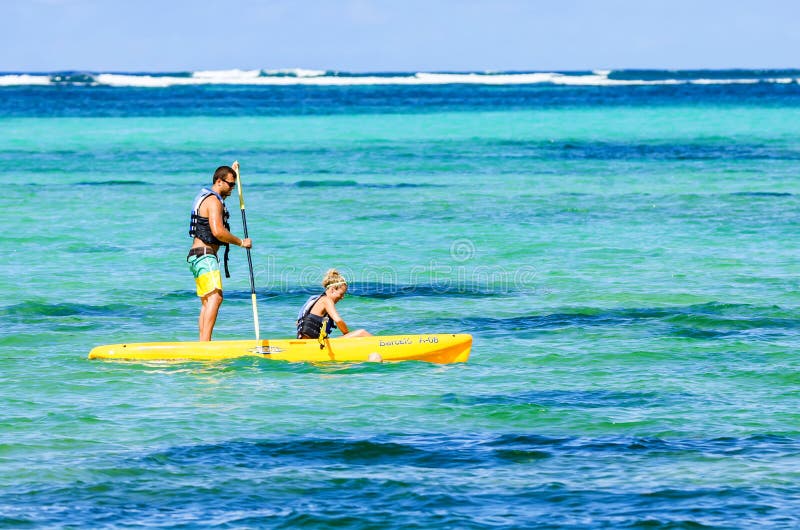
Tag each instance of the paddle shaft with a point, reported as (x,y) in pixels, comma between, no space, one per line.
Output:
(249,258)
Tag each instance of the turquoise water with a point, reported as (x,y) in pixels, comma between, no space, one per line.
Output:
(628,271)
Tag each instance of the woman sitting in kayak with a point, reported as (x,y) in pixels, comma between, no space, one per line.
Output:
(319,312)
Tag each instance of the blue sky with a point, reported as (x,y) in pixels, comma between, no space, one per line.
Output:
(403,35)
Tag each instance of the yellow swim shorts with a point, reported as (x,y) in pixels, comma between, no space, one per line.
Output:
(205,270)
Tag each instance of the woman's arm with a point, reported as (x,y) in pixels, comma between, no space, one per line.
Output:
(330,308)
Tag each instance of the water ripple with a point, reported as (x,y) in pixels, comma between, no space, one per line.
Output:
(701,321)
(412,480)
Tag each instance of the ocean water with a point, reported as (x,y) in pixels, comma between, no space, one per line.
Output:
(623,246)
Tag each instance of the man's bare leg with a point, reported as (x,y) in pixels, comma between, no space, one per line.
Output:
(208,314)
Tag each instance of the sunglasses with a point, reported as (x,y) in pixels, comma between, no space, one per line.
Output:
(231,185)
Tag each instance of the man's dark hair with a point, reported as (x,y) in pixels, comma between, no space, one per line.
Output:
(222,172)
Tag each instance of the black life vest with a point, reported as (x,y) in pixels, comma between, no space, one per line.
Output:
(199,227)
(309,325)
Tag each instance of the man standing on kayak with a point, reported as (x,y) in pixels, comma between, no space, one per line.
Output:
(210,229)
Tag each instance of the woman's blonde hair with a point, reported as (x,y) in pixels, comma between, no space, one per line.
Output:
(332,279)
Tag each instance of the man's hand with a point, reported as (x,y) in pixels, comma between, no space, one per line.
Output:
(247,243)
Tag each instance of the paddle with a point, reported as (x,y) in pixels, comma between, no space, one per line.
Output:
(249,258)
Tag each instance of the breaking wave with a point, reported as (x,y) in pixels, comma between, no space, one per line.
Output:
(299,76)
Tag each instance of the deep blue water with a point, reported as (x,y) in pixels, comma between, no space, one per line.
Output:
(621,245)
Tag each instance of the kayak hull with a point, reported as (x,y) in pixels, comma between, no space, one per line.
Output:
(434,348)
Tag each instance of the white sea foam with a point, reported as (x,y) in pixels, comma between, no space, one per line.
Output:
(424,78)
(725,81)
(123,80)
(251,77)
(599,78)
(297,72)
(299,76)
(226,74)
(24,79)
(775,80)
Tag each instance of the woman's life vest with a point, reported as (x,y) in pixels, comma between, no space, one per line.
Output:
(309,325)
(199,227)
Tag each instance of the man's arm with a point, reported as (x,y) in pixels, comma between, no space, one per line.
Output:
(218,228)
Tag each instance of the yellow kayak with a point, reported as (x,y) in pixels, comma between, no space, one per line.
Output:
(441,349)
